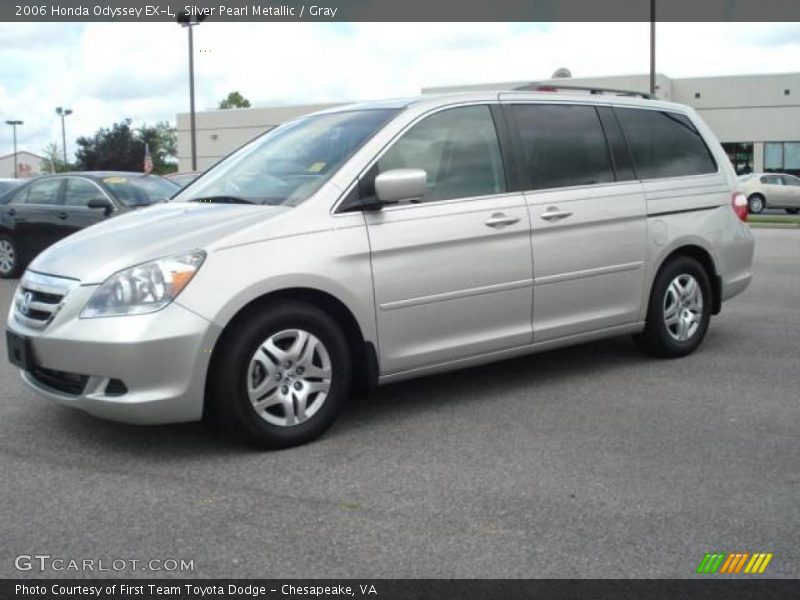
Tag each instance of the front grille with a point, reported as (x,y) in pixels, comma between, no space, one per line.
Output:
(39,298)
(68,383)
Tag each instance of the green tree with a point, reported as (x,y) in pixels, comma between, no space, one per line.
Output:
(53,159)
(234,100)
(116,148)
(163,141)
(121,148)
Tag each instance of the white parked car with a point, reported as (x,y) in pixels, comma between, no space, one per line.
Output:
(772,190)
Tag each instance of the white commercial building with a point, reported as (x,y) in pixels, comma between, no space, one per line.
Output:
(756,117)
(28,165)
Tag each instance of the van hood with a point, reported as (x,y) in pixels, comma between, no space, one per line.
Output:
(93,254)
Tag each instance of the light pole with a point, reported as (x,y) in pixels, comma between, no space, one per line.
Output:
(63,113)
(653,47)
(189,21)
(14,126)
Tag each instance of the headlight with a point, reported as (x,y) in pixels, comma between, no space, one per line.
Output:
(144,288)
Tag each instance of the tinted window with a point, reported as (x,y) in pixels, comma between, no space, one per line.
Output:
(457,148)
(140,191)
(664,144)
(616,142)
(771,180)
(789,180)
(562,145)
(80,191)
(44,192)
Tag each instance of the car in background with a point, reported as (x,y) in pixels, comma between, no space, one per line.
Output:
(183,179)
(46,209)
(9,184)
(772,190)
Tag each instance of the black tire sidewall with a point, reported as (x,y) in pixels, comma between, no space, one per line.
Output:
(659,338)
(14,272)
(238,345)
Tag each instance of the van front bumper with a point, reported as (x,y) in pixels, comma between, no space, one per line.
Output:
(160,360)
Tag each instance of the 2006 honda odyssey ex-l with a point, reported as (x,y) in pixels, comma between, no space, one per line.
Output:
(378,242)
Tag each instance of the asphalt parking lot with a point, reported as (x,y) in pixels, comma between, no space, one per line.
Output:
(592,461)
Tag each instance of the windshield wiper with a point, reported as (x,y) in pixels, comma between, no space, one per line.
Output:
(222,200)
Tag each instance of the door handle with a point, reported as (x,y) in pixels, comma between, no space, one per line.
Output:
(11,212)
(554,214)
(500,220)
(62,215)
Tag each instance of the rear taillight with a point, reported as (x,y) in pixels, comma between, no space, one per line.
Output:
(739,204)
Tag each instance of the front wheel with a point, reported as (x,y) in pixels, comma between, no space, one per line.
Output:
(9,258)
(756,204)
(679,310)
(281,376)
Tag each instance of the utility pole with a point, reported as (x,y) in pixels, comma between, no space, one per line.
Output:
(63,113)
(189,21)
(14,126)
(653,47)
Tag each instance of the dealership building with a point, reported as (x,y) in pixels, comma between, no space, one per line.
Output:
(27,164)
(756,117)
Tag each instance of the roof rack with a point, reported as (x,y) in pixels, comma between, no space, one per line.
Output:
(555,87)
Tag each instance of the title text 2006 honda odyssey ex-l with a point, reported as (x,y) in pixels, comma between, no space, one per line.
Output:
(378,242)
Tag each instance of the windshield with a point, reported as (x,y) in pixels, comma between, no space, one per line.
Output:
(8,185)
(140,191)
(289,163)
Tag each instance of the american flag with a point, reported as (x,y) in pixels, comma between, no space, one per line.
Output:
(148,160)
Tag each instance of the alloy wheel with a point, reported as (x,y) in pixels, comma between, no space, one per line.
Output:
(683,307)
(289,377)
(6,257)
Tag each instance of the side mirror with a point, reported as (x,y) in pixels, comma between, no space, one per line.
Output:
(396,185)
(101,202)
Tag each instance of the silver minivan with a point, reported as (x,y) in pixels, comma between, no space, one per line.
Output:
(379,242)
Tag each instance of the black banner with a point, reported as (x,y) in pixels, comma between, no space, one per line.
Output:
(396,10)
(392,589)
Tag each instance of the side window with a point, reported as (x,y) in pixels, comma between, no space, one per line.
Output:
(457,148)
(562,145)
(664,144)
(79,192)
(44,192)
(20,197)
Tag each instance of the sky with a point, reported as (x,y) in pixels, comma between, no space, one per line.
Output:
(106,72)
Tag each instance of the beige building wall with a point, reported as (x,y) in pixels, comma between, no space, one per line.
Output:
(28,164)
(743,108)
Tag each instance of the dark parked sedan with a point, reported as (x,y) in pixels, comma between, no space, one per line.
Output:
(49,208)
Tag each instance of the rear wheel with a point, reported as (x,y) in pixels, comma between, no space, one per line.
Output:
(679,310)
(793,211)
(281,376)
(9,258)
(756,203)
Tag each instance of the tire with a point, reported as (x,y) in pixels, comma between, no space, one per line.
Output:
(692,311)
(793,211)
(282,357)
(9,258)
(756,204)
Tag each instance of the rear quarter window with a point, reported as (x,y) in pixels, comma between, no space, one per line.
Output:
(664,144)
